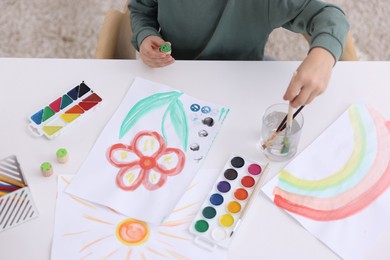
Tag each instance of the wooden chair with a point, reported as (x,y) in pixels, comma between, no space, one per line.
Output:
(115,34)
(114,38)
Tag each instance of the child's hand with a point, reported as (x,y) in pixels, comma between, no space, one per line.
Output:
(311,79)
(151,55)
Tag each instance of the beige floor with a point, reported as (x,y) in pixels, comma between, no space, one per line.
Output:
(70,28)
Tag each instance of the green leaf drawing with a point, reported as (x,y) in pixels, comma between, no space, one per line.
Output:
(144,106)
(179,120)
(175,110)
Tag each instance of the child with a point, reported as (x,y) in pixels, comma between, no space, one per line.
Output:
(238,30)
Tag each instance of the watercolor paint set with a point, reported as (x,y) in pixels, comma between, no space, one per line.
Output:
(227,202)
(67,109)
(16,203)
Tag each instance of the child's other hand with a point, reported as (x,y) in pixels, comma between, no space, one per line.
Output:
(151,55)
(311,79)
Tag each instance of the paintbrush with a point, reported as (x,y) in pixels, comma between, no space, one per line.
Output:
(251,198)
(280,128)
(286,141)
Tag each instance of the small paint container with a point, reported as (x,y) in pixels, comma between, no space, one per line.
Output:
(62,155)
(46,169)
(166,48)
(221,212)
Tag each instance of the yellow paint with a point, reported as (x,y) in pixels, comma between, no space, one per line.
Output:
(155,252)
(154,177)
(130,177)
(123,155)
(174,236)
(226,220)
(348,168)
(69,117)
(51,130)
(168,159)
(97,220)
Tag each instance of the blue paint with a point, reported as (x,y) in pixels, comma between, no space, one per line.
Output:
(206,109)
(37,117)
(216,199)
(195,107)
(74,93)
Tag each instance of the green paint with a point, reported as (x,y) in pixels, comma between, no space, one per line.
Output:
(62,153)
(175,110)
(47,113)
(223,114)
(178,117)
(209,212)
(166,48)
(45,166)
(353,163)
(66,101)
(201,226)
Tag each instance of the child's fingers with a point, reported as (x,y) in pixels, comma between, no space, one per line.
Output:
(293,89)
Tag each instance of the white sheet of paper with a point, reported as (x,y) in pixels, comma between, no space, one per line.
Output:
(149,151)
(337,188)
(87,230)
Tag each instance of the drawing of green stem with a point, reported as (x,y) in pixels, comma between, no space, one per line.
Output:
(174,110)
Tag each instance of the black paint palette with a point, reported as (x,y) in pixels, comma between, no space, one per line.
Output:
(224,205)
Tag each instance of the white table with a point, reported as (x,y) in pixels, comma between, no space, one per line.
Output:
(245,87)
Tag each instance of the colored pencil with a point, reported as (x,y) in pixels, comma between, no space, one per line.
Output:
(251,198)
(9,180)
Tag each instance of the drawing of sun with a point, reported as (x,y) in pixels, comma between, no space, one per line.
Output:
(132,232)
(88,231)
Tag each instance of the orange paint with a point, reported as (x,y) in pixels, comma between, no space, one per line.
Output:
(132,232)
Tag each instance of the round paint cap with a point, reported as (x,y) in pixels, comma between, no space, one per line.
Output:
(201,226)
(216,199)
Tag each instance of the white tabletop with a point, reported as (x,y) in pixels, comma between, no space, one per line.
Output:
(247,88)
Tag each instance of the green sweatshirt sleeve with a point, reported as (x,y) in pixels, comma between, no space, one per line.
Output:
(324,23)
(143,20)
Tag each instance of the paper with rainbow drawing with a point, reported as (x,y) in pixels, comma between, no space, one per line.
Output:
(337,188)
(149,151)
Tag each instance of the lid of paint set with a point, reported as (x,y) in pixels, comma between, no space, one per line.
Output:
(225,204)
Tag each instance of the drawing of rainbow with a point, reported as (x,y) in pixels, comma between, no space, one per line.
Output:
(357,182)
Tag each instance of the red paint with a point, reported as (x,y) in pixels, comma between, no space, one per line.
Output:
(56,105)
(247,181)
(354,206)
(87,105)
(93,98)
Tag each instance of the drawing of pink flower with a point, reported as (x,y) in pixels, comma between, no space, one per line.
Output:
(146,160)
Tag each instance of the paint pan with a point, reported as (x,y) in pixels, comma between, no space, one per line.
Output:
(223,206)
(17,205)
(70,107)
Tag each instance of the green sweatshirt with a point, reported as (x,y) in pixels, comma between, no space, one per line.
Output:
(235,29)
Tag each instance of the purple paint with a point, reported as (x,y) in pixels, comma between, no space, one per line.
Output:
(223,186)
